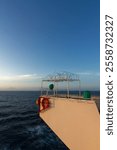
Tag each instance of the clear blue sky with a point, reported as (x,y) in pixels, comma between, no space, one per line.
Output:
(38,37)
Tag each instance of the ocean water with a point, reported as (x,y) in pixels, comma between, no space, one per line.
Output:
(20,126)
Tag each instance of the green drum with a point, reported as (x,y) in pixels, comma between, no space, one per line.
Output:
(86,95)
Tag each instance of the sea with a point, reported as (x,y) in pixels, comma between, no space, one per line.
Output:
(21,128)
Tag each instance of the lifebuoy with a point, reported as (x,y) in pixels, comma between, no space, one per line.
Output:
(43,103)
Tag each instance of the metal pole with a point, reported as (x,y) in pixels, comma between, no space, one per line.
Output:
(47,92)
(54,88)
(79,88)
(67,88)
(41,87)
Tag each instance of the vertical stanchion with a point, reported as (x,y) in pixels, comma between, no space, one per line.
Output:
(67,88)
(41,87)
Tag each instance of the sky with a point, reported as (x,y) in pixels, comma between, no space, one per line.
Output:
(39,37)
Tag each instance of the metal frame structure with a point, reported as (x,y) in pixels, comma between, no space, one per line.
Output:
(62,77)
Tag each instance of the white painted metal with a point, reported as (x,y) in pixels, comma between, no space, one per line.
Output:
(62,77)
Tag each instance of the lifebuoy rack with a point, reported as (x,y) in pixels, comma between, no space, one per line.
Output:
(43,103)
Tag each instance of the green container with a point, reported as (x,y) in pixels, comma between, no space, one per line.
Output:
(87,95)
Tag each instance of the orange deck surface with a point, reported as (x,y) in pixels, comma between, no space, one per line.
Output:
(76,123)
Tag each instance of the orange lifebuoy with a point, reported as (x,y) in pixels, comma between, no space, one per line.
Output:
(43,103)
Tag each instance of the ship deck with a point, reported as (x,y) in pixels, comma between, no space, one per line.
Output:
(75,121)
